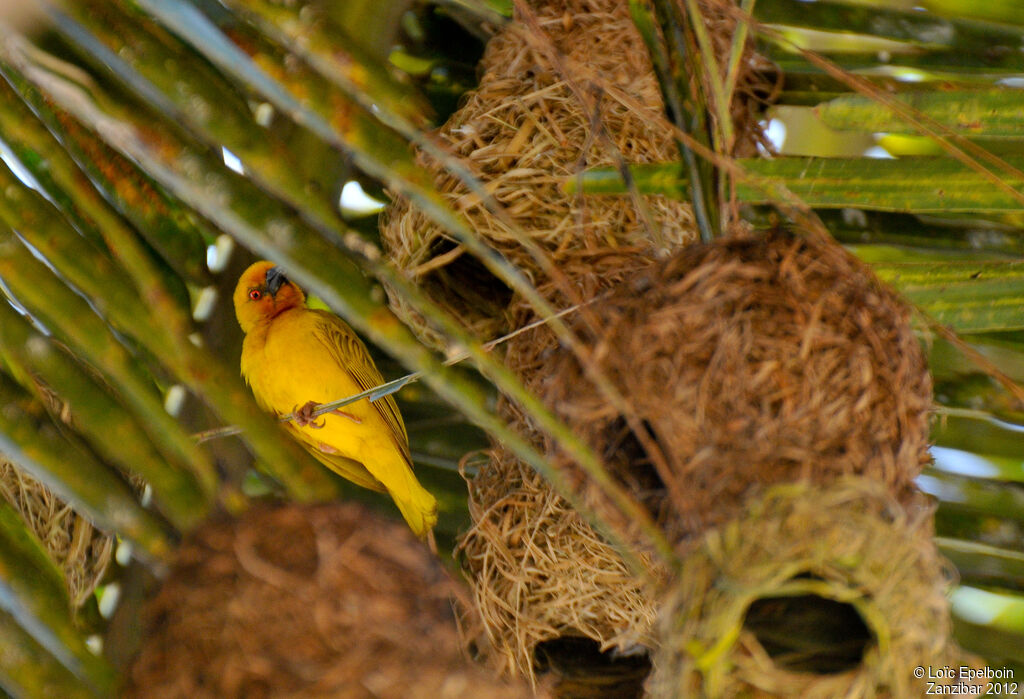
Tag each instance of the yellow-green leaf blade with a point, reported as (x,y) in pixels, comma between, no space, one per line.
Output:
(82,203)
(74,475)
(158,217)
(106,424)
(27,670)
(331,50)
(913,184)
(989,113)
(32,591)
(969,297)
(180,85)
(71,318)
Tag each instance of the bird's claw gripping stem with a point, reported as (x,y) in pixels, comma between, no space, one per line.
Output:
(306,415)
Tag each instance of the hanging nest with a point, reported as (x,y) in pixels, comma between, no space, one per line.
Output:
(749,361)
(552,595)
(524,132)
(306,601)
(835,592)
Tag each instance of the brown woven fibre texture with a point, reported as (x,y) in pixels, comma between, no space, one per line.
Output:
(851,542)
(753,360)
(300,601)
(533,122)
(540,572)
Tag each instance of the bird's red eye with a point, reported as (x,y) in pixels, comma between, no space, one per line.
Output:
(255,294)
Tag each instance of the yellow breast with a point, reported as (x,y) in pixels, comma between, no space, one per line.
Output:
(287,365)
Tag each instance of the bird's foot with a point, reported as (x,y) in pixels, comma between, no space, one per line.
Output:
(306,417)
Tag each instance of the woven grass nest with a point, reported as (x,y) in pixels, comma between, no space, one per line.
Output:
(749,361)
(80,550)
(846,571)
(524,132)
(541,577)
(306,601)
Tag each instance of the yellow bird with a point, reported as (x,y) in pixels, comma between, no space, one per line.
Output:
(295,358)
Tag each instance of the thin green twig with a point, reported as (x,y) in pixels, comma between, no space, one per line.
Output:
(739,42)
(712,75)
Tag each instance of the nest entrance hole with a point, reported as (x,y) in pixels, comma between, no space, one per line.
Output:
(580,668)
(465,281)
(809,633)
(631,466)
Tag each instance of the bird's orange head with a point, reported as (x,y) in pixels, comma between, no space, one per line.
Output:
(264,291)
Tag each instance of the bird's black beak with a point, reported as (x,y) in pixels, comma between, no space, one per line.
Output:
(275,280)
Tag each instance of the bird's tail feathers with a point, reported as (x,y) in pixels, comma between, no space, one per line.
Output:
(418,507)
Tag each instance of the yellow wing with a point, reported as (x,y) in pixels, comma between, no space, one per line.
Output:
(349,352)
(342,465)
(418,506)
